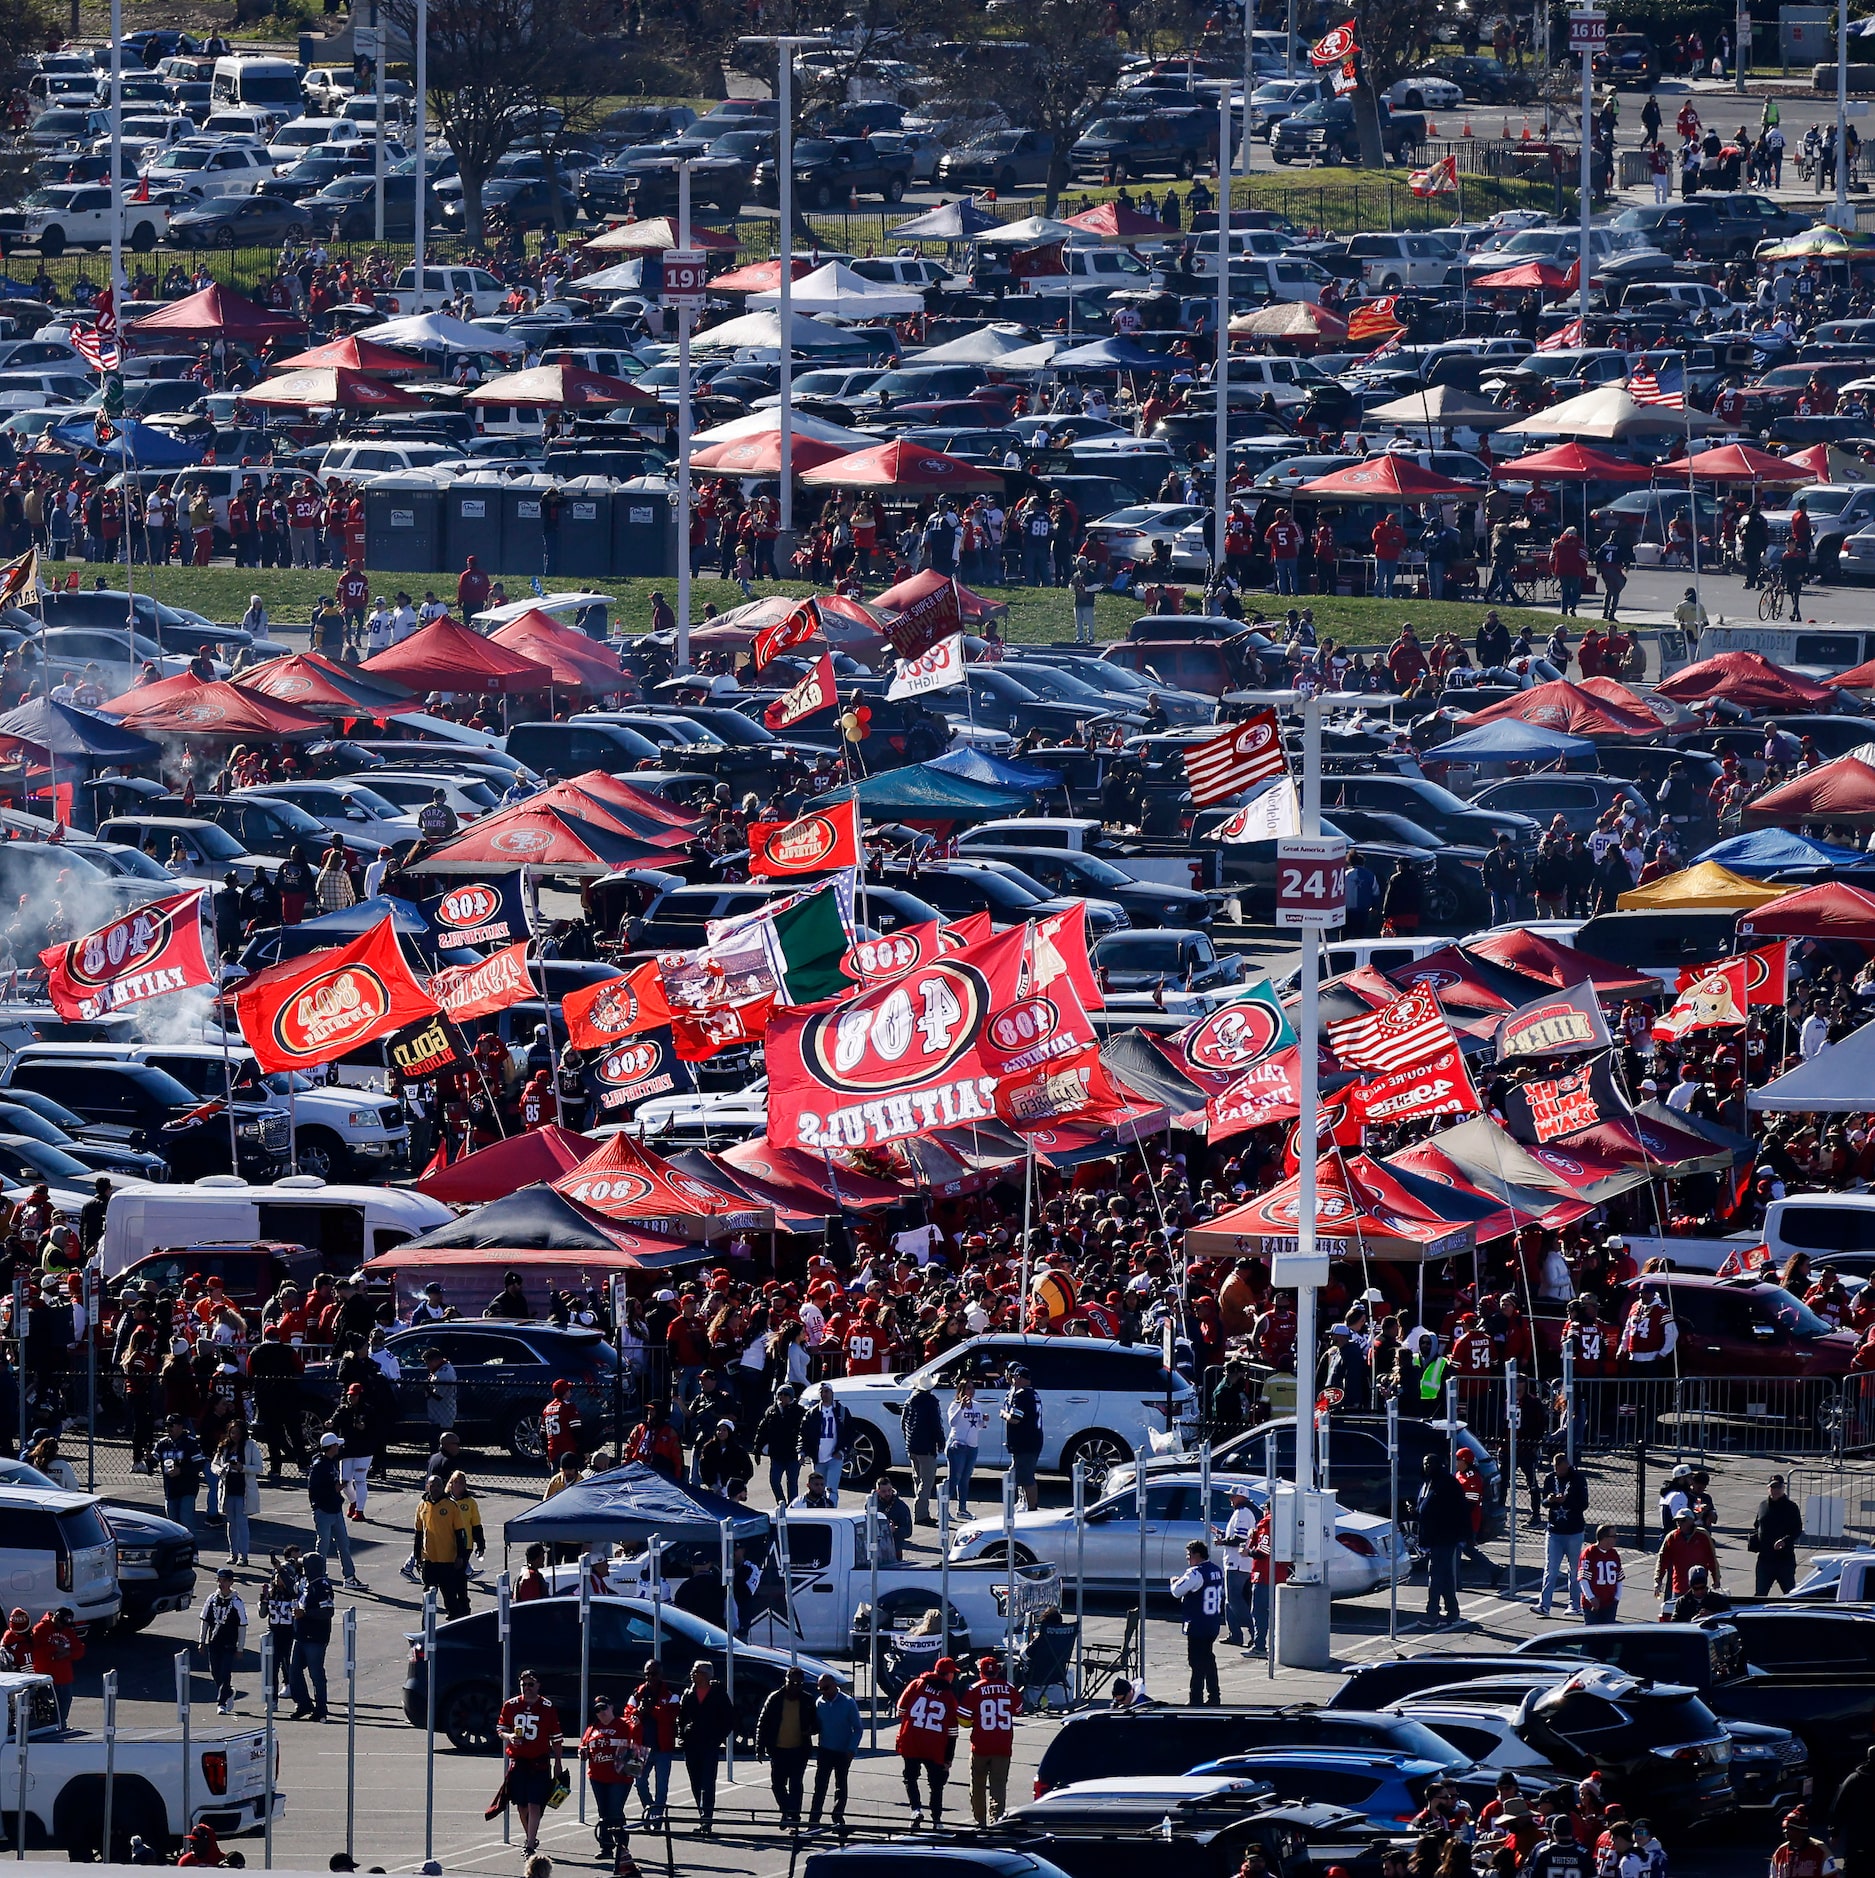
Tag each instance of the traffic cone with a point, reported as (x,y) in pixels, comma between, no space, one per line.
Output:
(1505,132)
(1526,131)
(852,197)
(1432,127)
(1466,132)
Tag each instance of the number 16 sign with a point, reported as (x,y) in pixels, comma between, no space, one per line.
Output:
(1311,881)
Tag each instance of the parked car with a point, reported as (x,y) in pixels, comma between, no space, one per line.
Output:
(828,171)
(240,222)
(1003,160)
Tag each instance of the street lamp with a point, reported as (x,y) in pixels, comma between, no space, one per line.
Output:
(786,45)
(421,182)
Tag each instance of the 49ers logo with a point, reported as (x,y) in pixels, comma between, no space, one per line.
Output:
(464,907)
(919,1029)
(1232,1038)
(631,1062)
(101,956)
(520,840)
(338,1004)
(615,1008)
(801,844)
(207,711)
(1022,1026)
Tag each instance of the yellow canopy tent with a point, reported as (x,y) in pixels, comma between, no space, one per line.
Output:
(1706,885)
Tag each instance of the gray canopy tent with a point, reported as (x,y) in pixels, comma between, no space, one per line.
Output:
(1836,1081)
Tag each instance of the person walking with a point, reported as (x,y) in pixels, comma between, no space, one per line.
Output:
(655,1706)
(439,1546)
(1199,1589)
(1444,1526)
(279,1600)
(179,1462)
(1852,1820)
(705,1721)
(1775,1530)
(312,1632)
(1235,1538)
(990,1706)
(1599,1578)
(826,1435)
(1687,1545)
(778,1435)
(531,1737)
(222,1635)
(927,1736)
(1565,1506)
(922,1423)
(838,1734)
(1022,1434)
(784,1738)
(610,1752)
(325,1494)
(57,1648)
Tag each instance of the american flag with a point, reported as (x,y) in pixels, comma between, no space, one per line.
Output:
(1227,764)
(1399,1035)
(1374,319)
(1665,385)
(1562,338)
(100,350)
(1441,177)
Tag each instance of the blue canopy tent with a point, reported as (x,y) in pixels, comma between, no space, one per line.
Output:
(951,221)
(62,730)
(979,767)
(131,446)
(1767,851)
(633,1503)
(1510,740)
(923,793)
(1111,355)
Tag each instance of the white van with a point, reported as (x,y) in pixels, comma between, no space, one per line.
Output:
(349,1224)
(271,85)
(486,294)
(56,1549)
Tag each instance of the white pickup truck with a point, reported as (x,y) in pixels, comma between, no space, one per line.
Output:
(65,1770)
(78,215)
(831,1579)
(1822,1225)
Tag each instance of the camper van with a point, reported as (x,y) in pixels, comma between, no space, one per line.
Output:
(271,86)
(346,1224)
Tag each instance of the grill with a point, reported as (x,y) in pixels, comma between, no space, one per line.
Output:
(275,1135)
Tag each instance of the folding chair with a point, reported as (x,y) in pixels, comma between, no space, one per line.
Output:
(1103,1663)
(1047,1662)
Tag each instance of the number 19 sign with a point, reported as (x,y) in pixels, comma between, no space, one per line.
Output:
(1311,881)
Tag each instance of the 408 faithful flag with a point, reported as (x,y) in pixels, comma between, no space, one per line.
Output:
(812,844)
(147,954)
(1399,1035)
(1437,180)
(1227,764)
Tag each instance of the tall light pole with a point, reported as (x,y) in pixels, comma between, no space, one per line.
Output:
(1220,376)
(683,432)
(422,50)
(1842,216)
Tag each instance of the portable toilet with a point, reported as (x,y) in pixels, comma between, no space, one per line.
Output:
(524,523)
(472,518)
(583,550)
(403,522)
(644,529)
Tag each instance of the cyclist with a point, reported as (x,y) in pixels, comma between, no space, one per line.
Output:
(1793,568)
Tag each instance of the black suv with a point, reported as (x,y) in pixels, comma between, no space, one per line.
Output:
(587,744)
(1714,227)
(545,1635)
(1164,143)
(157,1113)
(504,1373)
(827,170)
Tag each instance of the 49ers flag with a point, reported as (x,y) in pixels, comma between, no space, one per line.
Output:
(597,1015)
(815,692)
(925,622)
(1555,1106)
(147,954)
(487,986)
(315,1010)
(812,844)
(795,629)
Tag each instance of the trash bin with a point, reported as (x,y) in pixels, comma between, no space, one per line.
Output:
(403,524)
(583,550)
(472,516)
(523,530)
(644,529)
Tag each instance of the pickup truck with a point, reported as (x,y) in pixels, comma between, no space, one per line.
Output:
(1838,1578)
(1324,133)
(1808,1668)
(65,1781)
(1166,864)
(78,215)
(831,1579)
(1822,1225)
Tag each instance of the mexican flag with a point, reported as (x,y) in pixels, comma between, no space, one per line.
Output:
(805,942)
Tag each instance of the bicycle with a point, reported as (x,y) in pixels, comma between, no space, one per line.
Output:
(1771,600)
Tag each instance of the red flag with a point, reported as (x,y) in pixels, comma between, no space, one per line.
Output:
(1375,319)
(142,191)
(1573,279)
(877,961)
(1440,1085)
(1239,755)
(488,986)
(597,1015)
(1074,1089)
(925,622)
(1061,947)
(815,692)
(1336,1125)
(815,842)
(315,1010)
(1766,973)
(1720,1000)
(1402,1035)
(150,952)
(795,629)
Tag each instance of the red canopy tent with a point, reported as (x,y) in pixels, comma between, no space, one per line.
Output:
(760,276)
(1737,463)
(624,1181)
(1550,962)
(586,806)
(561,386)
(357,355)
(1561,705)
(215,313)
(804,1186)
(549,838)
(1748,679)
(310,682)
(975,608)
(1842,791)
(1525,274)
(504,1167)
(1113,221)
(1571,463)
(577,661)
(1665,711)
(1627,1141)
(760,455)
(1520,1206)
(330,387)
(444,656)
(619,794)
(1833,910)
(909,467)
(845,625)
(1361,1212)
(1390,477)
(215,709)
(1856,678)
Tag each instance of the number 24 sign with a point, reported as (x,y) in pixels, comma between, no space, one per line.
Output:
(1311,881)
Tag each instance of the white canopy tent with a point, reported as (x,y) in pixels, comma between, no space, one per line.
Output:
(1608,414)
(806,424)
(761,331)
(1031,232)
(835,290)
(988,345)
(438,332)
(1835,1081)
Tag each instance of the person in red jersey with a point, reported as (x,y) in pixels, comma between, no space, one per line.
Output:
(927,1735)
(529,1727)
(991,1707)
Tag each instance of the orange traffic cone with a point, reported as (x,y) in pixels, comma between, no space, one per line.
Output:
(1432,127)
(852,197)
(1466,132)
(1526,131)
(1505,132)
